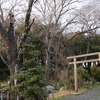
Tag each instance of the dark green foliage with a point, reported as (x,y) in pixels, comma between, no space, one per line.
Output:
(95,72)
(4,72)
(83,74)
(79,44)
(83,44)
(31,83)
(30,78)
(29,56)
(95,44)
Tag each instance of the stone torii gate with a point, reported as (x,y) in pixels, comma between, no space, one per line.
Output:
(72,60)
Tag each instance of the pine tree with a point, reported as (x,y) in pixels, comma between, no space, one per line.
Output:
(30,85)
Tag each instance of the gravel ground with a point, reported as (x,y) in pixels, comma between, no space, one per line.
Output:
(94,94)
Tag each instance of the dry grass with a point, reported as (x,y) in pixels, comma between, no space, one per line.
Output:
(64,93)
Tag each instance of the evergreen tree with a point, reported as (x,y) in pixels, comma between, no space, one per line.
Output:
(30,85)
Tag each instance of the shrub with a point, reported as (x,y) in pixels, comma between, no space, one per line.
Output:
(63,78)
(95,72)
(83,74)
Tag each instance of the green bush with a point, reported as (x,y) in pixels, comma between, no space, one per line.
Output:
(83,74)
(95,72)
(63,78)
(31,83)
(67,79)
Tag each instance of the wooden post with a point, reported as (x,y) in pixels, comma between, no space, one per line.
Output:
(99,57)
(75,76)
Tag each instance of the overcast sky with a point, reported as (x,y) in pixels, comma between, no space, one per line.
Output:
(10,3)
(82,2)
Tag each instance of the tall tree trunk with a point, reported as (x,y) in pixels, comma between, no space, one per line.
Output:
(56,70)
(47,67)
(11,49)
(56,66)
(47,58)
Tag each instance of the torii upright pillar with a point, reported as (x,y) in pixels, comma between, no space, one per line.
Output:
(75,76)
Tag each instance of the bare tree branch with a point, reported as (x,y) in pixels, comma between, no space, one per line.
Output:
(1,56)
(3,32)
(2,17)
(27,26)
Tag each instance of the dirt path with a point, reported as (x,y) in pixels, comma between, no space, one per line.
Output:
(94,94)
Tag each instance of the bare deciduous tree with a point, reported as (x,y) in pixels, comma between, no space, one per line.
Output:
(57,17)
(54,20)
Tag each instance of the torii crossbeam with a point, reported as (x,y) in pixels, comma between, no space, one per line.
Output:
(75,62)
